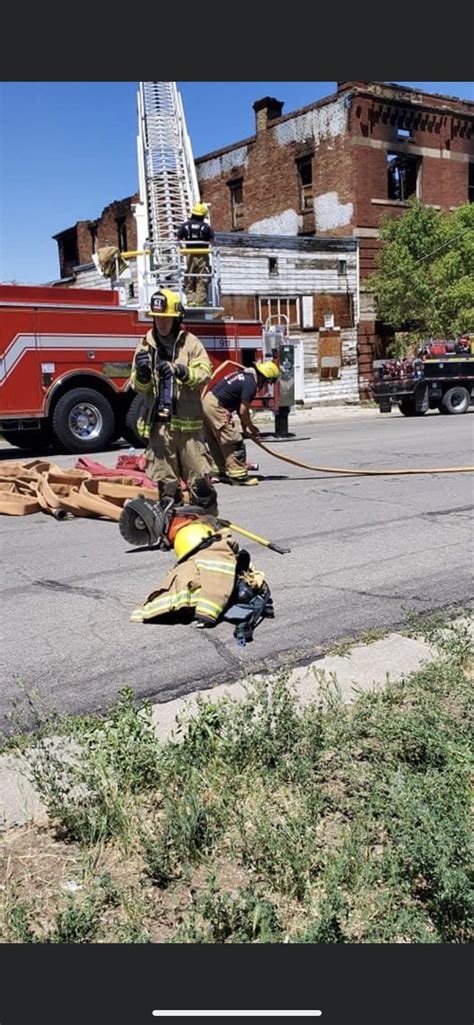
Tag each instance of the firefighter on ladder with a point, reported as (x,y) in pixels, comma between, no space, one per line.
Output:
(196,233)
(231,394)
(170,366)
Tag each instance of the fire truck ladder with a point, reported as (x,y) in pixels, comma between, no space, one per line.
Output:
(168,190)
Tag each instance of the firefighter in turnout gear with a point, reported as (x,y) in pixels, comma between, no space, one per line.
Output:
(212,580)
(170,366)
(233,394)
(196,233)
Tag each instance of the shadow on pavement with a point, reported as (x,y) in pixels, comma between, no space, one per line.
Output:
(8,451)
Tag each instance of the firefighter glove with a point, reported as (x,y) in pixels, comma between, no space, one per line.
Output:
(165,371)
(143,366)
(181,372)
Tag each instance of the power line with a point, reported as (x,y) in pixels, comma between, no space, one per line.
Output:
(428,256)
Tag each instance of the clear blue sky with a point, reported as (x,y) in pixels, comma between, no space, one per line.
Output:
(67,149)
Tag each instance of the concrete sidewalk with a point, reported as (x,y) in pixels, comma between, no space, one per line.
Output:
(366,667)
(330,413)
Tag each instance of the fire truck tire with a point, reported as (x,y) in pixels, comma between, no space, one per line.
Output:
(408,408)
(83,420)
(130,426)
(34,440)
(455,401)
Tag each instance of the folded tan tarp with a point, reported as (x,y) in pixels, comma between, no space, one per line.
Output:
(42,486)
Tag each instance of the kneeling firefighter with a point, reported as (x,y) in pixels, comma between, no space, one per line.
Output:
(170,366)
(224,396)
(213,580)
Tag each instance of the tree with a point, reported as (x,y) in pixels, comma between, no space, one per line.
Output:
(424,282)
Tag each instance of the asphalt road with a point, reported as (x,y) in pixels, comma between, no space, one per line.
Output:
(362,551)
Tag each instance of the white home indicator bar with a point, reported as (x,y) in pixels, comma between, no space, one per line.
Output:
(237,1014)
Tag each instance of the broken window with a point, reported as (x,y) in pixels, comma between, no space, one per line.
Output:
(280,308)
(272,266)
(305,177)
(70,255)
(471,183)
(403,171)
(237,202)
(122,234)
(93,235)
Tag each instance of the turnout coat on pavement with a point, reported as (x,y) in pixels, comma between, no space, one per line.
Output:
(203,582)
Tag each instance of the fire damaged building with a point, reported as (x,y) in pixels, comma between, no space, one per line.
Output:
(335,166)
(296,210)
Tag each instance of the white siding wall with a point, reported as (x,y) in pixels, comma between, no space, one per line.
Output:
(247,273)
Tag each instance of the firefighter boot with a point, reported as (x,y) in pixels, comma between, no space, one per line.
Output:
(205,495)
(243,482)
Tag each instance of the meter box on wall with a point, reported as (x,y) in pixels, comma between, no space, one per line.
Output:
(279,347)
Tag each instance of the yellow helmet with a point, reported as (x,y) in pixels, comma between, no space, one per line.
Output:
(188,538)
(200,210)
(166,304)
(269,370)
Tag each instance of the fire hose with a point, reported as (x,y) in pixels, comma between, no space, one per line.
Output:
(358,473)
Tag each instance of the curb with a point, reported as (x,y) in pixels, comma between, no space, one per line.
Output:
(367,667)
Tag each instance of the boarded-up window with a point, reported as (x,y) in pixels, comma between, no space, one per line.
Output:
(281,308)
(329,355)
(240,307)
(340,305)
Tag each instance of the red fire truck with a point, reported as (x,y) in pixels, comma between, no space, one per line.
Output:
(65,361)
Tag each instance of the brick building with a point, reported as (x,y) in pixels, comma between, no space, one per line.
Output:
(292,204)
(333,167)
(116,226)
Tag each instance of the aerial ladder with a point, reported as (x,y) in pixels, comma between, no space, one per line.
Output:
(168,190)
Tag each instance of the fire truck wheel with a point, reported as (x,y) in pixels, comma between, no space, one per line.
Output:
(455,400)
(34,440)
(83,420)
(129,431)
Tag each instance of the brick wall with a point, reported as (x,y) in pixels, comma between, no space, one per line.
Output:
(87,236)
(439,138)
(267,163)
(348,137)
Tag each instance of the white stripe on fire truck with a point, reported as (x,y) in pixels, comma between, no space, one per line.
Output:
(29,342)
(40,343)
